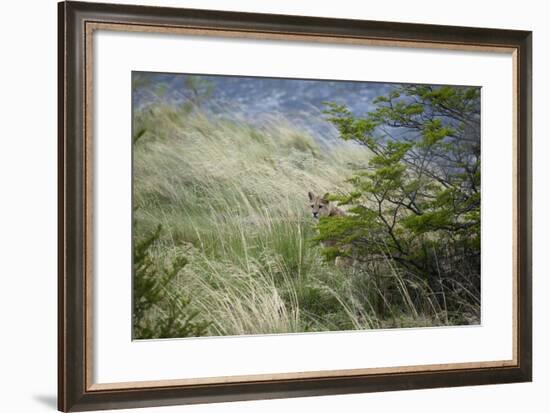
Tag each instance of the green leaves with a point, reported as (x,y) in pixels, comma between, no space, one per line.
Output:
(432,133)
(430,221)
(349,127)
(139,134)
(152,294)
(418,202)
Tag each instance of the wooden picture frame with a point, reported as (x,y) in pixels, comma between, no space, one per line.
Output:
(77,21)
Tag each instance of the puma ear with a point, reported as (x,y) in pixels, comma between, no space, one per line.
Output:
(311,196)
(325,197)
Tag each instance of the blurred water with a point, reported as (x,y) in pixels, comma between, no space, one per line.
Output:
(259,101)
(262,101)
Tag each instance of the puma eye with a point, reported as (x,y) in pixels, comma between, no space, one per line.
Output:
(320,206)
(312,206)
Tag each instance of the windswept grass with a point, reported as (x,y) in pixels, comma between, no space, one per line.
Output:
(232,199)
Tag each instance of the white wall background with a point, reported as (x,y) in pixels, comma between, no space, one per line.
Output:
(28,204)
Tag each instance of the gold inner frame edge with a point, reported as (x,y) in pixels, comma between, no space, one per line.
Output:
(91,26)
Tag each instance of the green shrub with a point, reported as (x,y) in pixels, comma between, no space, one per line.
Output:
(417,204)
(153,295)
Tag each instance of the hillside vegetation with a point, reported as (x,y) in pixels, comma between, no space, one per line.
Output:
(224,242)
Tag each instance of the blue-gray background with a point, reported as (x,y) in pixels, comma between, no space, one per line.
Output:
(259,101)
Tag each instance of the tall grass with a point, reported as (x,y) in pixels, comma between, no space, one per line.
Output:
(232,199)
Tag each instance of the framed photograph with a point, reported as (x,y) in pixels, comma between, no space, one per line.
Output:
(264,206)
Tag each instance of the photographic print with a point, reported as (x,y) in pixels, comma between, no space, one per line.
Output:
(205,210)
(271,206)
